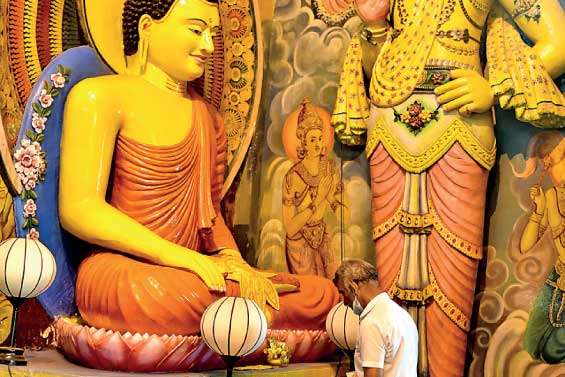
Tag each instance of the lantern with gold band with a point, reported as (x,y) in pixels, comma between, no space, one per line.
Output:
(342,326)
(233,327)
(27,268)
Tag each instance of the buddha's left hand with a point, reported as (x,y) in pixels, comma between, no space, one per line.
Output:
(467,91)
(253,284)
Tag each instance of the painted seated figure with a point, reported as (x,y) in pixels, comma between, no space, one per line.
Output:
(141,169)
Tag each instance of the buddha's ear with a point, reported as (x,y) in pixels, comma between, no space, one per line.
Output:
(144,26)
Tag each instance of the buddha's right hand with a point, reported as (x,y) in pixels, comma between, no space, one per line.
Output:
(211,273)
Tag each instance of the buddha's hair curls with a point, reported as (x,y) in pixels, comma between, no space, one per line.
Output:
(133,10)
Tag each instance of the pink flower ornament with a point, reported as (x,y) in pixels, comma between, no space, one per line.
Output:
(33,234)
(38,123)
(30,208)
(58,80)
(45,99)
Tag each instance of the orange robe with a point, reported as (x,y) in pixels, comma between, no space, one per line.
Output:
(175,192)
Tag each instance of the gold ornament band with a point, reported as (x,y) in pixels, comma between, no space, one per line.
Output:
(422,296)
(457,131)
(423,224)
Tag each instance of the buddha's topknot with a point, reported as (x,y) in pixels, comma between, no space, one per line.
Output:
(133,10)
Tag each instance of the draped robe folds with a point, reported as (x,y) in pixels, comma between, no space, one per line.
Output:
(455,187)
(175,192)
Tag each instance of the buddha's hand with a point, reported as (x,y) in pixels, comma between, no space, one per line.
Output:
(538,198)
(259,286)
(467,91)
(210,272)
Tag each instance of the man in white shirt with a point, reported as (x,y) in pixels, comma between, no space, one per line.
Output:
(387,345)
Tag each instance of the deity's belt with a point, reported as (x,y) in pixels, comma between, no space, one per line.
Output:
(314,234)
(432,77)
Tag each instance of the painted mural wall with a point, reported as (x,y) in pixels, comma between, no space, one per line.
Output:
(514,293)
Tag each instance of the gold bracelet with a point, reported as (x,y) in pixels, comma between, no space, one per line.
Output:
(536,217)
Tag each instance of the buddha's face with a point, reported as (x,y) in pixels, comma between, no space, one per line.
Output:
(180,43)
(314,143)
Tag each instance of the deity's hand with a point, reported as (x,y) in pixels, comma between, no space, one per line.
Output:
(538,197)
(253,284)
(324,188)
(468,91)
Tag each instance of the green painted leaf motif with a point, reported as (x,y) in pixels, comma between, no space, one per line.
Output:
(37,108)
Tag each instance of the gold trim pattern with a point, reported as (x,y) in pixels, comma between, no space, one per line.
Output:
(464,247)
(243,75)
(456,132)
(412,223)
(448,307)
(423,224)
(57,8)
(432,290)
(10,110)
(30,46)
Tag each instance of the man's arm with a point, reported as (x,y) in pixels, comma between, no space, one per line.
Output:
(372,349)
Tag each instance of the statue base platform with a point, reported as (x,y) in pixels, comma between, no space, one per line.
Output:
(102,349)
(51,363)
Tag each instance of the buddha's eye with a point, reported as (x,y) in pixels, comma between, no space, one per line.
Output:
(195,31)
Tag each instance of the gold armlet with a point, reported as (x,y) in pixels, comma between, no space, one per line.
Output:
(536,217)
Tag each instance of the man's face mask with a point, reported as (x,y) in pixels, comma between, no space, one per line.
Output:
(356,306)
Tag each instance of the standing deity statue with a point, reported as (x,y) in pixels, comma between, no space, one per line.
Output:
(428,130)
(310,188)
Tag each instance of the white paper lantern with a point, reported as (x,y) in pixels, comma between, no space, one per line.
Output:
(233,326)
(27,268)
(342,326)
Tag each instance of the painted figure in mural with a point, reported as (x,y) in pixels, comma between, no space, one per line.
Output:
(310,187)
(429,137)
(163,252)
(545,334)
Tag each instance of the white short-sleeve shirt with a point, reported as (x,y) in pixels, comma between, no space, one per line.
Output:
(388,339)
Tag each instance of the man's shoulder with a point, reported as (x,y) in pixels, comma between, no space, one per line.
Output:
(387,317)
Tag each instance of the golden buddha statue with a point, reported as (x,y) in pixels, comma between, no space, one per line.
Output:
(142,165)
(428,129)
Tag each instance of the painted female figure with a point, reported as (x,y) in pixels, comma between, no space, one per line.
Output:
(428,130)
(545,333)
(310,187)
